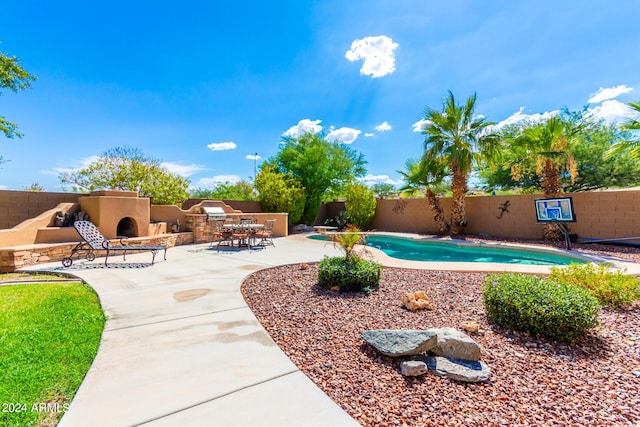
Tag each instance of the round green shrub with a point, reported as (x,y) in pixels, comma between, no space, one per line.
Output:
(349,275)
(541,307)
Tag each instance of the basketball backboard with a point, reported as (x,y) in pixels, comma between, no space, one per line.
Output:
(555,210)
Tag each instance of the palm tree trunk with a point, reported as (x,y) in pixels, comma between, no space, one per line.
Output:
(458,205)
(438,213)
(550,181)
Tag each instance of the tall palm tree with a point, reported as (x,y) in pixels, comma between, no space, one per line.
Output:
(632,144)
(455,137)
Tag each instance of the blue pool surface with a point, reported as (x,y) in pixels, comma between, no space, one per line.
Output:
(438,251)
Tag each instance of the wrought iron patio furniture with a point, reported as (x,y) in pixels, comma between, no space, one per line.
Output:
(266,234)
(220,235)
(95,241)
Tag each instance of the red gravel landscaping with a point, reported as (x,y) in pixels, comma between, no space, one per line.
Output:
(535,382)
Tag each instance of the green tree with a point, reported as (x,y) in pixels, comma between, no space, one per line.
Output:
(383,189)
(588,148)
(546,148)
(360,204)
(14,78)
(323,168)
(632,143)
(241,190)
(128,169)
(456,140)
(280,192)
(35,187)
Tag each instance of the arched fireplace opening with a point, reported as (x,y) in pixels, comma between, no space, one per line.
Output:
(127,227)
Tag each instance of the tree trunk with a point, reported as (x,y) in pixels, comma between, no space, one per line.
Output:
(550,181)
(458,206)
(438,214)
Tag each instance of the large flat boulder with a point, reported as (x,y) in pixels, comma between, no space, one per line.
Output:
(399,343)
(455,344)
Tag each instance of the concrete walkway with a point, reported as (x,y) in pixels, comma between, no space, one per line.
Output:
(181,346)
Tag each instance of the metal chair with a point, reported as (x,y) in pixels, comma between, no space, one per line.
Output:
(266,234)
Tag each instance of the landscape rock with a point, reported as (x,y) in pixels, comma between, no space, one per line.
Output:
(455,344)
(416,301)
(458,369)
(398,343)
(470,326)
(413,368)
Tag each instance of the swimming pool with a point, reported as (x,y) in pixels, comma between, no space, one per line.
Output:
(438,251)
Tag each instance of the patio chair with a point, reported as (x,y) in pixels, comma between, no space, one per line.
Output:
(242,233)
(95,241)
(221,235)
(266,234)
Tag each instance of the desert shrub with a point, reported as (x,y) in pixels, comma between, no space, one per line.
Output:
(349,275)
(341,220)
(360,203)
(611,288)
(541,307)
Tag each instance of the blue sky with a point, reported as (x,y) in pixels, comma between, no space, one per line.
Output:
(204,86)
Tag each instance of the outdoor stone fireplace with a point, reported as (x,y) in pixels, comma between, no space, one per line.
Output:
(117,213)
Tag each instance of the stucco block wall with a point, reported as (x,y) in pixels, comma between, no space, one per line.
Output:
(18,206)
(599,215)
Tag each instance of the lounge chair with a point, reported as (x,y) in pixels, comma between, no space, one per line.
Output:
(95,241)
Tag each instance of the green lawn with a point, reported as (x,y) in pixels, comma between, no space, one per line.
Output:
(49,336)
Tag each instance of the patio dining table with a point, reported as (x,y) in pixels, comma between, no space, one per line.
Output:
(252,228)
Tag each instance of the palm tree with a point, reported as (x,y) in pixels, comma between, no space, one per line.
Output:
(457,139)
(633,144)
(547,146)
(420,176)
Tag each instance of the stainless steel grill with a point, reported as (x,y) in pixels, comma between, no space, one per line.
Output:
(214,212)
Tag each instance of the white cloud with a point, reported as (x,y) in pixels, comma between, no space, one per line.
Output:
(612,111)
(3,187)
(518,117)
(344,135)
(383,127)
(82,163)
(253,157)
(304,126)
(220,146)
(210,183)
(375,179)
(605,94)
(182,170)
(368,135)
(420,125)
(377,52)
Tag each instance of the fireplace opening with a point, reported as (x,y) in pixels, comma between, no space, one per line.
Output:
(127,227)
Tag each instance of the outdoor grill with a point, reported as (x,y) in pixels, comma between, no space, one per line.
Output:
(214,212)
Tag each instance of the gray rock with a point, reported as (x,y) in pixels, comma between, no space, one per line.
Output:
(413,368)
(457,369)
(455,344)
(398,343)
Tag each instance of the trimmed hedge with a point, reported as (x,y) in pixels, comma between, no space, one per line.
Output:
(349,275)
(541,307)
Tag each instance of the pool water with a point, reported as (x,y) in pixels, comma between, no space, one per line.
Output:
(436,251)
